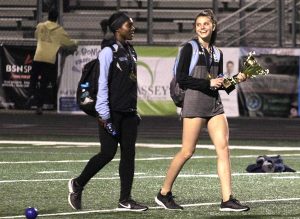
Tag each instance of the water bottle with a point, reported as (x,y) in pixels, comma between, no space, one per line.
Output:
(84,92)
(110,128)
(221,75)
(85,85)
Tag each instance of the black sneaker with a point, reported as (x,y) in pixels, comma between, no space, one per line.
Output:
(131,205)
(233,205)
(167,201)
(75,193)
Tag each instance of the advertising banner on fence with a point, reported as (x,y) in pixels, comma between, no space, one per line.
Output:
(154,76)
(16,66)
(69,74)
(15,75)
(273,95)
(230,68)
(276,94)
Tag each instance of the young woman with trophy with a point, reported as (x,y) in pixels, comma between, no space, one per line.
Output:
(202,107)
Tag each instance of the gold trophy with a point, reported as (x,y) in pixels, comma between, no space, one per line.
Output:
(251,68)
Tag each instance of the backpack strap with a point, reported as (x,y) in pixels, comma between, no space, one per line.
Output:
(195,56)
(194,60)
(217,54)
(114,49)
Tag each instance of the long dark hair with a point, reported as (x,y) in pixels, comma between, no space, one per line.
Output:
(209,13)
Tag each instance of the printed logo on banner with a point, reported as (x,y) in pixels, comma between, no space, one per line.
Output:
(144,89)
(154,76)
(254,102)
(153,79)
(20,71)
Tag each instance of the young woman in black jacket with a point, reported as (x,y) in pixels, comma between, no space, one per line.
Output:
(117,108)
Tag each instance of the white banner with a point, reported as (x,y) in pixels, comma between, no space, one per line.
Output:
(230,68)
(154,76)
(70,68)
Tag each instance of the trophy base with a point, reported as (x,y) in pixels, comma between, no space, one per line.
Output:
(230,88)
(229,85)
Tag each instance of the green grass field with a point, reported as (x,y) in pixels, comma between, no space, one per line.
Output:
(37,175)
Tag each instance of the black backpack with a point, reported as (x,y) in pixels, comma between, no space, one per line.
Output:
(87,89)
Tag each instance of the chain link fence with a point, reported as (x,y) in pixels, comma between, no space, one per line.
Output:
(260,23)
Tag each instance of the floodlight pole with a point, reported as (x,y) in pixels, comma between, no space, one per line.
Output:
(242,23)
(118,5)
(294,18)
(39,13)
(150,22)
(60,9)
(280,11)
(215,7)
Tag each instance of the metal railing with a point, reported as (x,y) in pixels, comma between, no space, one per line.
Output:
(282,8)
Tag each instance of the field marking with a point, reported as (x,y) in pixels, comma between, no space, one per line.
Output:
(62,144)
(286,177)
(54,171)
(43,161)
(40,143)
(140,159)
(150,177)
(156,207)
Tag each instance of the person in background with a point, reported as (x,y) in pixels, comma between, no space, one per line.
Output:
(117,108)
(229,70)
(202,107)
(50,37)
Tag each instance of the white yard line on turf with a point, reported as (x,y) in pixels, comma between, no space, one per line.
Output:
(87,144)
(39,143)
(139,159)
(43,161)
(156,207)
(151,177)
(286,177)
(54,171)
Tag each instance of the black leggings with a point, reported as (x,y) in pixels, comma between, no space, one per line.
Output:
(126,124)
(44,73)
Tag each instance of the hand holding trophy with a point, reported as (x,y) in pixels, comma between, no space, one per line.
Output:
(251,68)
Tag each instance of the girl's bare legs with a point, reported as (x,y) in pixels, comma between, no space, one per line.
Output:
(218,130)
(191,132)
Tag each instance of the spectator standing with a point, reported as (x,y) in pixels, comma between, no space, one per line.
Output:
(50,37)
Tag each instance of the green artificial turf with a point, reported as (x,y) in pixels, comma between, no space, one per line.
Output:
(24,183)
